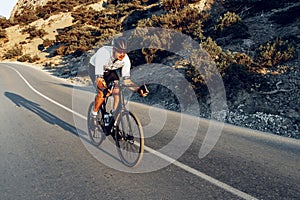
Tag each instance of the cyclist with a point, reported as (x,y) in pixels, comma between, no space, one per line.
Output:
(103,68)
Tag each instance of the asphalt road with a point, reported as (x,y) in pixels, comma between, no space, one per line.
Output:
(45,151)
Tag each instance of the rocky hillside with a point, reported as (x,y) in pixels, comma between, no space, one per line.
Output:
(255,46)
(25,5)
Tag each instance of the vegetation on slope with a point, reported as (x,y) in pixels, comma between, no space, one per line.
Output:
(93,28)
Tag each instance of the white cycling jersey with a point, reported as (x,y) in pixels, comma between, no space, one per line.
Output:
(103,60)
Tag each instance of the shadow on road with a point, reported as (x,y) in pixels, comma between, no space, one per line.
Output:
(44,114)
(50,118)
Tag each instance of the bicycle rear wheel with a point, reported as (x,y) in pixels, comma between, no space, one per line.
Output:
(96,133)
(129,138)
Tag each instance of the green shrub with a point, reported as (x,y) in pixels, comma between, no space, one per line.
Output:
(3,34)
(100,19)
(274,53)
(227,20)
(188,21)
(76,37)
(28,58)
(4,23)
(243,59)
(24,58)
(50,8)
(34,32)
(13,52)
(222,59)
(3,37)
(26,17)
(214,61)
(103,25)
(35,58)
(48,43)
(61,50)
(174,5)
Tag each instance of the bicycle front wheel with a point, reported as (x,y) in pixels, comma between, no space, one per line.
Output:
(129,138)
(95,128)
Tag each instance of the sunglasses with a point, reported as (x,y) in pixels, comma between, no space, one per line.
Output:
(120,50)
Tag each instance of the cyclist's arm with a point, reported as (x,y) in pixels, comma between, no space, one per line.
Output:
(131,85)
(126,75)
(126,68)
(142,90)
(100,59)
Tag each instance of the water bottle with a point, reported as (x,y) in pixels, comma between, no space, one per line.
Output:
(110,116)
(106,119)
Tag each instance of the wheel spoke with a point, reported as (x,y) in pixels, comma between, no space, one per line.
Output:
(96,133)
(130,148)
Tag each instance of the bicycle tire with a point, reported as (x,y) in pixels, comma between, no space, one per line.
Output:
(130,150)
(96,133)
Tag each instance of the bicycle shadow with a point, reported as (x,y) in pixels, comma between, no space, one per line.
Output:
(51,119)
(42,113)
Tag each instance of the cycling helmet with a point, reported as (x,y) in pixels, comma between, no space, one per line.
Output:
(120,44)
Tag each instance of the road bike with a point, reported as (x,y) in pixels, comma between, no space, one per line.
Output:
(123,125)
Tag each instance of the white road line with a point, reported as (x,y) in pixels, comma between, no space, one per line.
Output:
(201,175)
(165,157)
(44,96)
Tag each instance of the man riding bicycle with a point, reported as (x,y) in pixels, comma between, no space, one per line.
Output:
(103,68)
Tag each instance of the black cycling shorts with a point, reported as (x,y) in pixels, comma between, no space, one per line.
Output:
(109,76)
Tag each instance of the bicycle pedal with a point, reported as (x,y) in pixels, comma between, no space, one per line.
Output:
(119,137)
(94,118)
(129,137)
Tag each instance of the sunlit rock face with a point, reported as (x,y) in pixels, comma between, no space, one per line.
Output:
(26,4)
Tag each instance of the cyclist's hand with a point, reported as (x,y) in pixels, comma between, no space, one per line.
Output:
(143,91)
(107,92)
(101,84)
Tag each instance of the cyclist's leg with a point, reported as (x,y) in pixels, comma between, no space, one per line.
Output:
(99,99)
(116,96)
(97,104)
(111,77)
(94,110)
